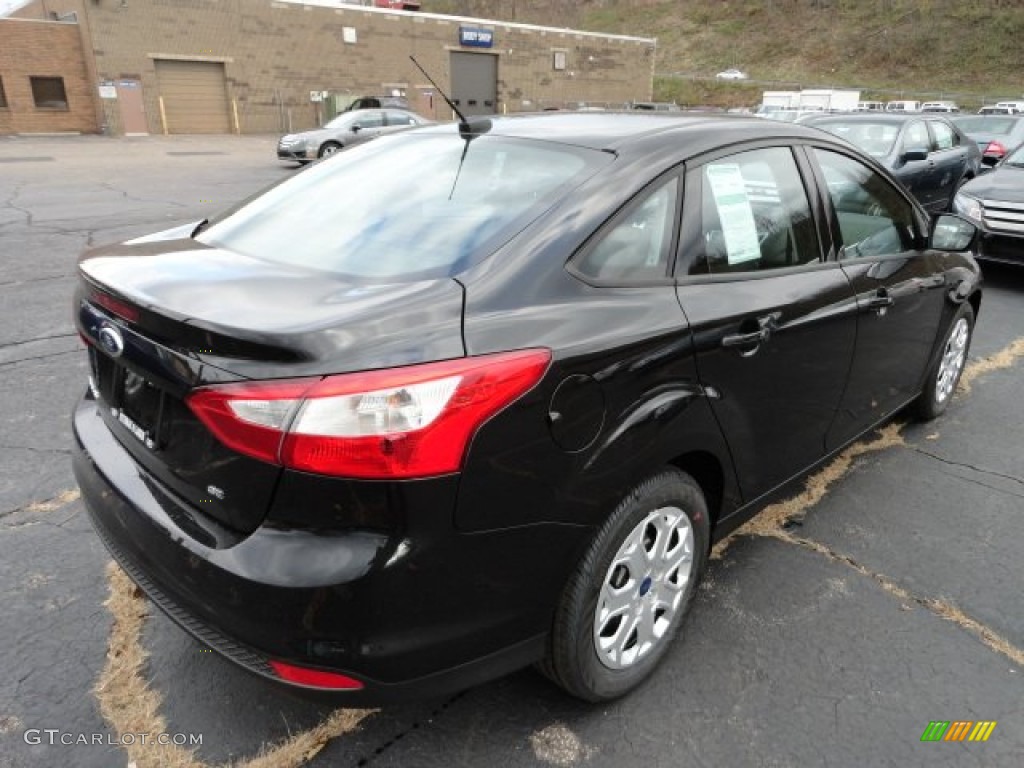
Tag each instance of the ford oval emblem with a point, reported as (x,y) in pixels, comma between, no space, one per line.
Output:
(111,341)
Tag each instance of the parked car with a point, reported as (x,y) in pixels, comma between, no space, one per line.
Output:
(473,396)
(995,135)
(995,203)
(655,106)
(378,102)
(940,106)
(927,152)
(870,106)
(993,109)
(1016,106)
(732,74)
(346,130)
(793,115)
(903,105)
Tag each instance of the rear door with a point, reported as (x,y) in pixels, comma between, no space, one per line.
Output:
(773,318)
(917,175)
(949,158)
(368,125)
(900,291)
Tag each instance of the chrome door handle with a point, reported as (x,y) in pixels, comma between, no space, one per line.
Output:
(879,302)
(746,339)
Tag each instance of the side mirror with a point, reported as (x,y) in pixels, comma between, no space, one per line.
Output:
(356,128)
(915,153)
(951,233)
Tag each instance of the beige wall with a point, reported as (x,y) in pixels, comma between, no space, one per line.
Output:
(31,47)
(275,53)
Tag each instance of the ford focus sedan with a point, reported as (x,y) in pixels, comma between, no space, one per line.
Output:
(496,407)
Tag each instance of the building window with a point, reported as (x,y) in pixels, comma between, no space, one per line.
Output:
(49,93)
(560,59)
(3,96)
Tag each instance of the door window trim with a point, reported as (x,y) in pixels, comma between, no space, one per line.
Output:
(675,173)
(921,217)
(690,235)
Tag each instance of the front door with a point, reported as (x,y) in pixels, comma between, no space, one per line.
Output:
(773,321)
(475,83)
(899,295)
(133,111)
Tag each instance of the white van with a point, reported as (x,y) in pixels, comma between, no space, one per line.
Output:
(903,106)
(870,106)
(940,106)
(1016,106)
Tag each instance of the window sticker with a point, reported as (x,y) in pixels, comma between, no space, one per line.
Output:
(734,212)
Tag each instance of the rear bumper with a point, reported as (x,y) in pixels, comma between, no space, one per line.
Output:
(415,613)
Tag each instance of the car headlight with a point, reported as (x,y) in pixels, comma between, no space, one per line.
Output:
(968,206)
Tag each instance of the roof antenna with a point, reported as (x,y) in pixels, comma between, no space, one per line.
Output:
(465,127)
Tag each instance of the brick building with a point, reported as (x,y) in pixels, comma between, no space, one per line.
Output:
(259,66)
(44,86)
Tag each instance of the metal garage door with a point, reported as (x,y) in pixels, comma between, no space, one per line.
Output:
(475,82)
(195,96)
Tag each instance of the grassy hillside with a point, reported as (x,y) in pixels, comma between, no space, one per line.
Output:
(968,50)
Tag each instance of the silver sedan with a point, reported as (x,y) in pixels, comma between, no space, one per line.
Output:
(345,130)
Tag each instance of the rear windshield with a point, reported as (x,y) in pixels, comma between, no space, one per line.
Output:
(406,207)
(986,124)
(877,139)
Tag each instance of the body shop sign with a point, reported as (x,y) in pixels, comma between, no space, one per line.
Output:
(476,37)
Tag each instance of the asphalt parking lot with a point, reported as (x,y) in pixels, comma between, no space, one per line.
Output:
(830,632)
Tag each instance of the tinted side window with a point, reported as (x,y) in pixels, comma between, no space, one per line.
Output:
(370,120)
(399,118)
(638,245)
(917,136)
(874,218)
(944,136)
(754,214)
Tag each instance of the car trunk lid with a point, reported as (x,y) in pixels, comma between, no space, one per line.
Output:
(165,317)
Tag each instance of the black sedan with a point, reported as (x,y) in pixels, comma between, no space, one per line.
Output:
(995,202)
(929,154)
(496,407)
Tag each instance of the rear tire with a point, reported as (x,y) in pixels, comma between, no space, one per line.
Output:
(631,591)
(940,385)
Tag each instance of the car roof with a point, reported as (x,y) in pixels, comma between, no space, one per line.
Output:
(614,131)
(875,117)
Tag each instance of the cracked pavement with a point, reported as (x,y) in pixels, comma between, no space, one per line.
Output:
(832,638)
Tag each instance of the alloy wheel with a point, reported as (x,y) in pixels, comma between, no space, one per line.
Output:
(953,357)
(643,588)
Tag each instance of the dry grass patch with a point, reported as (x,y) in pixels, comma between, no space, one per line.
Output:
(131,706)
(775,516)
(1004,358)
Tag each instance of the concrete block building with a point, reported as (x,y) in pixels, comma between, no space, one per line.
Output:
(270,66)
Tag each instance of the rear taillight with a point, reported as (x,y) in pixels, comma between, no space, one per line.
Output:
(316,678)
(995,149)
(415,421)
(122,309)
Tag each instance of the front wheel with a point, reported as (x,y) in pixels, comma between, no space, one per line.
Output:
(631,591)
(329,148)
(941,382)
